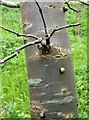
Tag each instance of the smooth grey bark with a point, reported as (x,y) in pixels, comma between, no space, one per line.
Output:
(50,77)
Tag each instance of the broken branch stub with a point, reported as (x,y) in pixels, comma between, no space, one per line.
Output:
(52,93)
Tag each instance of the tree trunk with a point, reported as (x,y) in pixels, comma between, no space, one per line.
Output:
(50,76)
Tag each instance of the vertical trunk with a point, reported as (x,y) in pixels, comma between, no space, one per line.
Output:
(50,76)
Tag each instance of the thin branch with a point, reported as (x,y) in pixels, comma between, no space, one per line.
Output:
(18,51)
(35,42)
(71,7)
(63,27)
(18,34)
(77,1)
(41,13)
(10,4)
(83,2)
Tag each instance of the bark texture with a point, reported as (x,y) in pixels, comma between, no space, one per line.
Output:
(50,76)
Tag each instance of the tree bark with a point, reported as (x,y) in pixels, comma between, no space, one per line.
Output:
(50,76)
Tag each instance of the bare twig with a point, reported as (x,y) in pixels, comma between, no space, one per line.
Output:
(78,1)
(83,2)
(35,42)
(41,13)
(18,34)
(63,27)
(10,4)
(18,50)
(71,7)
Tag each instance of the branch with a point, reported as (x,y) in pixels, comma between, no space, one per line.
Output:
(35,42)
(83,2)
(41,13)
(63,27)
(18,34)
(10,4)
(18,50)
(78,1)
(71,7)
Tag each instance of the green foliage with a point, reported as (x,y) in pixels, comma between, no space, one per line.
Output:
(15,97)
(78,38)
